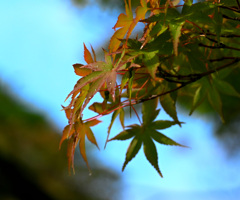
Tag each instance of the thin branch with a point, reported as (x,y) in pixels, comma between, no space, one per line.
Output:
(219,68)
(194,25)
(238,4)
(229,8)
(223,58)
(232,18)
(222,35)
(200,75)
(193,78)
(220,46)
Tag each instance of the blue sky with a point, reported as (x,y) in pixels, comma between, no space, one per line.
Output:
(39,42)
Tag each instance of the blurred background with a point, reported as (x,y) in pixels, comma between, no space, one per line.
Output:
(39,42)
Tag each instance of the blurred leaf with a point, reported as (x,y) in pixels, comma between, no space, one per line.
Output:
(168,105)
(215,101)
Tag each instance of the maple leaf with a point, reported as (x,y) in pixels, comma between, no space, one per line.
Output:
(100,73)
(77,134)
(144,134)
(126,23)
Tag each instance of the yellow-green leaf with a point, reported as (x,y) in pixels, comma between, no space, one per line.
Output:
(150,152)
(133,149)
(169,106)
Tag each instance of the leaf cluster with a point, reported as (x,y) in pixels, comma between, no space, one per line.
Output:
(185,50)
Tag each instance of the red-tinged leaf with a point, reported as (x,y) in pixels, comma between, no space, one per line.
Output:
(162,139)
(68,112)
(87,55)
(115,39)
(93,122)
(94,88)
(150,152)
(97,66)
(149,111)
(81,71)
(163,124)
(94,54)
(133,149)
(72,143)
(79,102)
(86,80)
(83,151)
(70,154)
(66,134)
(90,135)
(111,83)
(169,106)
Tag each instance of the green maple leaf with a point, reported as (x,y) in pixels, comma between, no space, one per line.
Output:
(145,135)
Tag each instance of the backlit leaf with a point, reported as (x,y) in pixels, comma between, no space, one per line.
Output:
(66,134)
(198,98)
(152,62)
(175,29)
(149,110)
(87,55)
(85,80)
(81,71)
(90,135)
(150,152)
(121,117)
(162,139)
(70,154)
(215,101)
(83,151)
(114,116)
(133,149)
(125,135)
(93,122)
(126,24)
(169,106)
(162,124)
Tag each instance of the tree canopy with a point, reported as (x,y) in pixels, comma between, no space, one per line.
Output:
(187,50)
